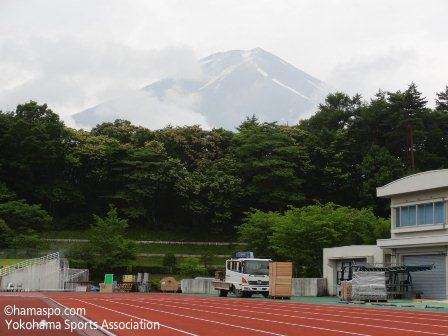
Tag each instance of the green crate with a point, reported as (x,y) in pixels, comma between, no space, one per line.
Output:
(108,278)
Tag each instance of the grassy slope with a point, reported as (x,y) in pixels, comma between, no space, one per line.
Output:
(7,262)
(65,248)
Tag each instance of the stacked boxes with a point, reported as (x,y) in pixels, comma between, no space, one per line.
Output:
(346,290)
(106,288)
(280,279)
(369,286)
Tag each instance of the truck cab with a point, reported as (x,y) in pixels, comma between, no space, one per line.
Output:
(245,277)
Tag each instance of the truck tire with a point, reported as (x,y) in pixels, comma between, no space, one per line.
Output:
(242,294)
(223,292)
(266,295)
(238,293)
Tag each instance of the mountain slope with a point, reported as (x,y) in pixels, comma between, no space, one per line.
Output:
(235,84)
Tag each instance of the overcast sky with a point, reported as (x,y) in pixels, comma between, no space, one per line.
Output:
(73,54)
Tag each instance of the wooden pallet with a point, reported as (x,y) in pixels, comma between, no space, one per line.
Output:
(280,279)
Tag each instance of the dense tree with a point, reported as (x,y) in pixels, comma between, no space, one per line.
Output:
(255,231)
(124,132)
(378,168)
(169,261)
(32,153)
(108,245)
(442,100)
(191,267)
(21,216)
(6,235)
(192,179)
(334,152)
(407,110)
(211,193)
(148,177)
(269,165)
(300,234)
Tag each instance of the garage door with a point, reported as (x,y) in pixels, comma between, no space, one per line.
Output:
(431,283)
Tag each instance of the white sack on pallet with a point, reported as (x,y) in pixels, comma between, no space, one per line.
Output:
(369,286)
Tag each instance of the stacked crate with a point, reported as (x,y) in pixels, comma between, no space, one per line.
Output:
(280,279)
(128,284)
(346,290)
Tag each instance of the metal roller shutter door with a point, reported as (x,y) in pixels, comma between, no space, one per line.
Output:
(431,283)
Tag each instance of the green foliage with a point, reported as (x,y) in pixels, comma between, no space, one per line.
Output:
(211,193)
(149,175)
(255,231)
(442,100)
(22,216)
(188,181)
(378,168)
(6,234)
(170,261)
(32,151)
(191,267)
(271,165)
(300,234)
(30,240)
(108,244)
(207,258)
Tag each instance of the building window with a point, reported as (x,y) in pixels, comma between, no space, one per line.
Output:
(420,214)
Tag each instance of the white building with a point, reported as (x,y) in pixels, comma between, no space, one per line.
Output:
(338,258)
(419,233)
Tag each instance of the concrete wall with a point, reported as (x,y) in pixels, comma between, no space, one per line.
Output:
(372,253)
(197,286)
(300,287)
(309,287)
(35,277)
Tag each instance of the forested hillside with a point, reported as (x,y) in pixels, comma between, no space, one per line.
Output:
(190,179)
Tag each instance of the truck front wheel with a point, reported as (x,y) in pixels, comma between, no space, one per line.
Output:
(223,292)
(238,293)
(242,294)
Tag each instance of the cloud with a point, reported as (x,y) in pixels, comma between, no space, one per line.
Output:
(389,70)
(70,73)
(75,54)
(143,108)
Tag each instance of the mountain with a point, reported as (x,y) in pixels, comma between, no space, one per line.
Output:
(234,84)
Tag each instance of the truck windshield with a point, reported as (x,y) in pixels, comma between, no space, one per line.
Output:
(256,267)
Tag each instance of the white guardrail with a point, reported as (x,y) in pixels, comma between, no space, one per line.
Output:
(29,262)
(165,242)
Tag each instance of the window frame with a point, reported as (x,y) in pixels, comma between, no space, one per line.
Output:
(398,213)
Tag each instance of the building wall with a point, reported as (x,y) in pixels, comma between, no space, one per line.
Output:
(372,253)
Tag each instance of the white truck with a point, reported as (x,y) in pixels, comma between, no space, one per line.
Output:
(244,277)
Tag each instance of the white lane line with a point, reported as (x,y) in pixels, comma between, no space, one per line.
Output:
(222,305)
(329,307)
(200,319)
(253,304)
(139,318)
(305,318)
(82,317)
(239,316)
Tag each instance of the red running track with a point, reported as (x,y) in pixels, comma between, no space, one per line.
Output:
(199,315)
(27,301)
